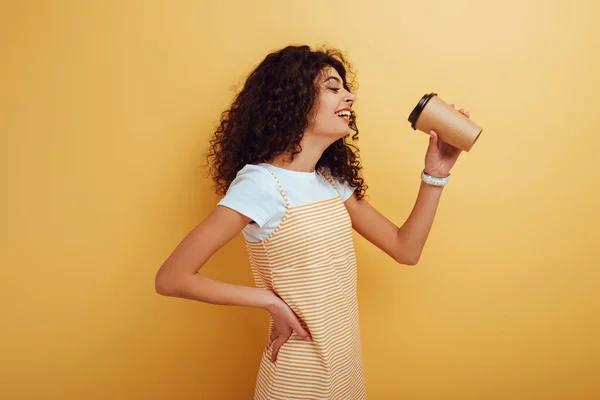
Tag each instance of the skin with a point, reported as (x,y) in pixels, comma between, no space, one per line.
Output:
(179,275)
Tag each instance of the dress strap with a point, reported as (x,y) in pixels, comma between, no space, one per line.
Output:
(327,175)
(285,198)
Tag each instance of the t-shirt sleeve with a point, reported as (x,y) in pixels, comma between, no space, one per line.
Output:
(345,189)
(252,193)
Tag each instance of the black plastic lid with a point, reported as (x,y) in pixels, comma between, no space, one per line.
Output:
(416,113)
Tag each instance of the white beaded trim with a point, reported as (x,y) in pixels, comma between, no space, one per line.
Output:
(432,180)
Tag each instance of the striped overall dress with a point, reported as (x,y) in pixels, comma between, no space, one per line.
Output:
(309,262)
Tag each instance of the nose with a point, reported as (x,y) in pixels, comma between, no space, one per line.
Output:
(350,98)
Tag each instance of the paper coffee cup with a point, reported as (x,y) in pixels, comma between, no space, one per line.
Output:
(432,113)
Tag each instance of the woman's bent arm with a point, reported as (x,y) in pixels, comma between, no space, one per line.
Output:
(179,276)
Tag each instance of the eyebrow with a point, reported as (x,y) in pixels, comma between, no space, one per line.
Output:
(333,77)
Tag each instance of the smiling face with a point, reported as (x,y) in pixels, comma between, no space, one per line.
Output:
(330,114)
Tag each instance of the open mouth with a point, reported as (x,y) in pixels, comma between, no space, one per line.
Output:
(343,114)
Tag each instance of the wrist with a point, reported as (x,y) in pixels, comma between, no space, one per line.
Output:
(269,301)
(436,173)
(433,188)
(435,180)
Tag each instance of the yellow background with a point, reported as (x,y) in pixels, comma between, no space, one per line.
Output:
(106,110)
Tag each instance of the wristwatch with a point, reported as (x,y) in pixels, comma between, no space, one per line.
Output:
(432,180)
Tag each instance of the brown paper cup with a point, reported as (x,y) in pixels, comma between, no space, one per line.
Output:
(432,113)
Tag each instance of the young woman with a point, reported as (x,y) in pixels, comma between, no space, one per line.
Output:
(286,162)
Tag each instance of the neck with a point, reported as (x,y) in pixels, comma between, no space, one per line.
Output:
(306,160)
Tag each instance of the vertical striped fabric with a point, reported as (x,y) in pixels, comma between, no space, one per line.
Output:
(309,261)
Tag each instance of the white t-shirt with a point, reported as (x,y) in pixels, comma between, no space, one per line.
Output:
(254,193)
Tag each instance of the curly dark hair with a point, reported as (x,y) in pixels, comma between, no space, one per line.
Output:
(269,115)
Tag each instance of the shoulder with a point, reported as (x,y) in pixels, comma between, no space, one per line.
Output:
(254,181)
(253,192)
(254,174)
(344,188)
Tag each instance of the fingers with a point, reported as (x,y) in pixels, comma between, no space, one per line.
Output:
(276,346)
(462,111)
(280,341)
(300,331)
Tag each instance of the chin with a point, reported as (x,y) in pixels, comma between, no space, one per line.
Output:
(334,134)
(343,134)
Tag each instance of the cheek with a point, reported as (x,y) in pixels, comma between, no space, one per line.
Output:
(324,108)
(328,105)
(326,115)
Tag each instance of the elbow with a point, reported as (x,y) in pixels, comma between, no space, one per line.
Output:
(410,261)
(164,285)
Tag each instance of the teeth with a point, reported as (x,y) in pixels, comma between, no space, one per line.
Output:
(341,113)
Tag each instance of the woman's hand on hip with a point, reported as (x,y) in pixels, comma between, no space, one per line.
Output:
(285,321)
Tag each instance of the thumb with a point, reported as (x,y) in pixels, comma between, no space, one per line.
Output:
(434,142)
(433,137)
